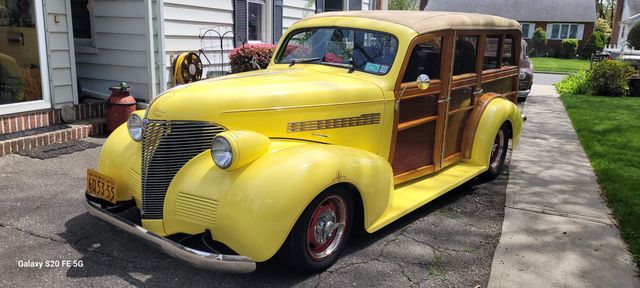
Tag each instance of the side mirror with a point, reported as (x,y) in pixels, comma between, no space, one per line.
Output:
(423,81)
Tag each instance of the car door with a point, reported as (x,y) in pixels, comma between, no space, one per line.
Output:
(420,114)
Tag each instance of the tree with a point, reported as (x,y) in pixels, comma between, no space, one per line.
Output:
(402,4)
(539,39)
(595,43)
(634,36)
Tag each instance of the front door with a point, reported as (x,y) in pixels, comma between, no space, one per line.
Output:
(421,114)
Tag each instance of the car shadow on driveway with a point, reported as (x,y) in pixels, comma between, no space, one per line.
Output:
(448,242)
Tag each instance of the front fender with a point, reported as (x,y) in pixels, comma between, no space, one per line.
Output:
(120,160)
(496,112)
(253,208)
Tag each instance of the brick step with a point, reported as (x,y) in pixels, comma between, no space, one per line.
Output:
(98,126)
(75,132)
(31,120)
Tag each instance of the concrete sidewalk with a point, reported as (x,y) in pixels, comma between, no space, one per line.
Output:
(557,230)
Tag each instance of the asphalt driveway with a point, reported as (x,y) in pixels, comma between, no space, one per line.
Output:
(448,243)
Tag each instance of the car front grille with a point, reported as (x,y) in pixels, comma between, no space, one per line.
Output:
(524,84)
(166,147)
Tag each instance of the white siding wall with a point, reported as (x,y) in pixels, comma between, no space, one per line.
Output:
(294,10)
(120,48)
(184,20)
(60,50)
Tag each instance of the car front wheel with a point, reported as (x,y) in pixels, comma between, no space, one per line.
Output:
(320,233)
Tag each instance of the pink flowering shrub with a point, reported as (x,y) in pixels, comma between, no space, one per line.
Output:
(240,58)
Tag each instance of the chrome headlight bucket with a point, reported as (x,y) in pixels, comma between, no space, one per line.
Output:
(225,148)
(135,125)
(522,75)
(221,152)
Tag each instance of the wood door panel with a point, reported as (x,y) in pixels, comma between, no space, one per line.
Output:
(414,148)
(455,128)
(418,107)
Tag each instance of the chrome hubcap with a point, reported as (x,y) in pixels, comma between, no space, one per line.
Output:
(497,149)
(326,228)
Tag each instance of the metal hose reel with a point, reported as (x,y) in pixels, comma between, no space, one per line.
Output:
(187,68)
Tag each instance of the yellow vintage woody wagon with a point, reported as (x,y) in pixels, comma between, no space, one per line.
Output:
(360,118)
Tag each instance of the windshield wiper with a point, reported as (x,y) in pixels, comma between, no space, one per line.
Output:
(344,65)
(303,60)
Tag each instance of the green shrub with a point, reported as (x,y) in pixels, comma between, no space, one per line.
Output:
(594,44)
(568,48)
(574,84)
(610,78)
(634,36)
(402,4)
(539,39)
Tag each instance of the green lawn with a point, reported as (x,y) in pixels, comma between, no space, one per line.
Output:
(609,130)
(543,64)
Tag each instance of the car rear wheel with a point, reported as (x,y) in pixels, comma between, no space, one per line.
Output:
(320,233)
(498,153)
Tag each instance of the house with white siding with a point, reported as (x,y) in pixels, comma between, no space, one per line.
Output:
(53,53)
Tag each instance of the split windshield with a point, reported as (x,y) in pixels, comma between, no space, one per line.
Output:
(367,51)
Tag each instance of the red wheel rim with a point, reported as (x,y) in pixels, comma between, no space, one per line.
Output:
(326,227)
(497,149)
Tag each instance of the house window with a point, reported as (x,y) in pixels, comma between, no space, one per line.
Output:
(334,5)
(564,31)
(341,5)
(527,30)
(256,21)
(82,14)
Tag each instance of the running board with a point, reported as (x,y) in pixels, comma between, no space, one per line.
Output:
(411,195)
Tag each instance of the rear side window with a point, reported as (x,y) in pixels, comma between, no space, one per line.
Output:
(465,56)
(508,51)
(491,52)
(425,59)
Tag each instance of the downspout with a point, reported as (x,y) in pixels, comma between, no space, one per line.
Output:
(148,17)
(161,49)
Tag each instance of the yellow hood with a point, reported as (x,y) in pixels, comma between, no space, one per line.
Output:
(267,101)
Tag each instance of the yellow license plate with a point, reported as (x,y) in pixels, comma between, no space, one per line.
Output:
(101,186)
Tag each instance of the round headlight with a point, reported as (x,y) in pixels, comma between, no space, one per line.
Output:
(522,76)
(221,152)
(135,126)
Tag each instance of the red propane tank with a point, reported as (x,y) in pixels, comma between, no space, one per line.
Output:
(119,106)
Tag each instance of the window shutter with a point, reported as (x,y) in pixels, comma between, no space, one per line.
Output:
(240,21)
(277,20)
(319,6)
(532,29)
(580,31)
(355,5)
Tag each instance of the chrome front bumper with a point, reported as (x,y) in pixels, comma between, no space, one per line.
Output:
(523,93)
(197,258)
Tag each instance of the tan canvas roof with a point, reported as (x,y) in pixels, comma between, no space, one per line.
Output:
(427,21)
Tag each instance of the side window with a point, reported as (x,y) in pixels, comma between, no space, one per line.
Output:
(425,59)
(508,51)
(465,57)
(491,52)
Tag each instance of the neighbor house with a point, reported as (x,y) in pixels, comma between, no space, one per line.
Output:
(627,16)
(560,19)
(53,53)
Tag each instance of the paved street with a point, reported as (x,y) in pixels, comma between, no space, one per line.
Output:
(448,243)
